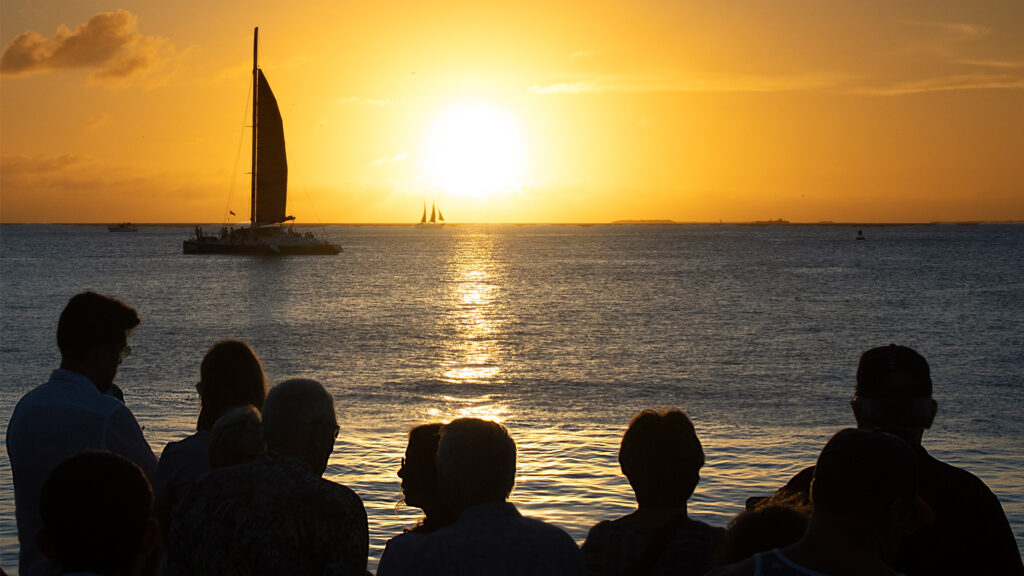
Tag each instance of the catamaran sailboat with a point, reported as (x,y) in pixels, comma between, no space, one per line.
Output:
(266,233)
(435,214)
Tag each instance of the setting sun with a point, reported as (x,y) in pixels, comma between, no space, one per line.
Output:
(474,150)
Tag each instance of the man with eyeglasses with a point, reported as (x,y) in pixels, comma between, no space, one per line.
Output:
(276,514)
(75,411)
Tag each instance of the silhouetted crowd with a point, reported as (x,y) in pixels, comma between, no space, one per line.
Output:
(246,495)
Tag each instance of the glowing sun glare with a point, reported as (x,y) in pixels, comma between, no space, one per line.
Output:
(473,150)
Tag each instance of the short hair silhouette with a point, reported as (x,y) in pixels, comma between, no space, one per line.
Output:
(775,523)
(661,457)
(96,507)
(297,417)
(90,320)
(230,375)
(237,437)
(860,473)
(476,463)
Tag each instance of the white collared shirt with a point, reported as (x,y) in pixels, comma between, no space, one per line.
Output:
(64,416)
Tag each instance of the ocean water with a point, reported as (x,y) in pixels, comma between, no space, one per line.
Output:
(561,332)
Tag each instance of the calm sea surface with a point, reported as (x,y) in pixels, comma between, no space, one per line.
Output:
(562,333)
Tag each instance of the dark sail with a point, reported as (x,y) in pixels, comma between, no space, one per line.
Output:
(271,162)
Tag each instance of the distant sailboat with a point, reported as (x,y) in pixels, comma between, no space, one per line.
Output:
(266,233)
(435,214)
(123,227)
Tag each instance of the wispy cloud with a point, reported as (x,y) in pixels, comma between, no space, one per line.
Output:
(108,43)
(954,30)
(673,82)
(16,166)
(367,101)
(98,122)
(396,158)
(580,54)
(77,188)
(948,84)
(992,63)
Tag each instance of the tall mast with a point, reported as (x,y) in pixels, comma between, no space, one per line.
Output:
(255,113)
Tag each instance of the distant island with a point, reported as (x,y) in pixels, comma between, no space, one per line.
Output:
(643,222)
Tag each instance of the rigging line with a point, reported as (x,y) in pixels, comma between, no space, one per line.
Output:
(302,181)
(238,154)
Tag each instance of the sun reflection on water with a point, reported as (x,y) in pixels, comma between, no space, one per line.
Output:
(485,406)
(474,317)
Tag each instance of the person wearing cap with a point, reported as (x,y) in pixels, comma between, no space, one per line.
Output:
(865,495)
(969,532)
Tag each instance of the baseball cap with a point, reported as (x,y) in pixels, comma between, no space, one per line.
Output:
(893,372)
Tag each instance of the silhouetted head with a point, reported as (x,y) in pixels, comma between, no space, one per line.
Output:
(97,510)
(230,375)
(419,468)
(661,456)
(476,463)
(237,437)
(92,335)
(776,523)
(419,475)
(299,421)
(868,479)
(894,392)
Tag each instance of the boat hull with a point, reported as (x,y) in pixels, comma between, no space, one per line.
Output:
(266,241)
(216,247)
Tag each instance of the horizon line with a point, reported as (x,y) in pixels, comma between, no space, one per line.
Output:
(628,222)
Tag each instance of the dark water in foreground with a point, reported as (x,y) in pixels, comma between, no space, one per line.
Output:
(562,333)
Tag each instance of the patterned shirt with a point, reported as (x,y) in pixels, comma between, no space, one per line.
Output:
(270,516)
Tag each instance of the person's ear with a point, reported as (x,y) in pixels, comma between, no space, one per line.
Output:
(855,406)
(931,416)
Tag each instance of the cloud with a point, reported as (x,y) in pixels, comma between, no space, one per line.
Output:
(396,158)
(98,122)
(683,83)
(579,54)
(991,63)
(108,44)
(77,188)
(367,101)
(12,166)
(952,83)
(955,30)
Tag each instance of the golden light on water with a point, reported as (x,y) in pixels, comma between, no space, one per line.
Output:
(483,406)
(472,353)
(473,356)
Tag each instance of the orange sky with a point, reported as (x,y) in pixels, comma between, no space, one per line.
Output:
(682,110)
